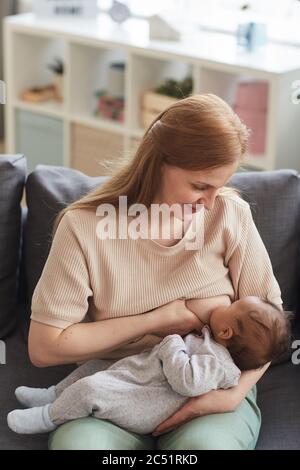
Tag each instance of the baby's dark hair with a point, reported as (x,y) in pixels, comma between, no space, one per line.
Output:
(261,335)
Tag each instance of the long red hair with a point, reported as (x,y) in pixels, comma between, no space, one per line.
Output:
(196,133)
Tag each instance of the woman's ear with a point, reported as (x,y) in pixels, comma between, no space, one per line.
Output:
(226,333)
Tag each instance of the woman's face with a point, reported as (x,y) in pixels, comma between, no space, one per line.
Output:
(193,187)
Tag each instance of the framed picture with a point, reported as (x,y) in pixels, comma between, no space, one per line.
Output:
(63,8)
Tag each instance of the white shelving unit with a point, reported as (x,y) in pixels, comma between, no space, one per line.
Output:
(88,46)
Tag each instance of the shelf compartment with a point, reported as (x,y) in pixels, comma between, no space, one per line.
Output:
(30,63)
(147,73)
(248,97)
(90,72)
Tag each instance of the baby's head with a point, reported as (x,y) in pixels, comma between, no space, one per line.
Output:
(253,330)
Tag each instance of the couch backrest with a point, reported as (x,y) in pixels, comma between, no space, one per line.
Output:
(12,180)
(274,198)
(48,190)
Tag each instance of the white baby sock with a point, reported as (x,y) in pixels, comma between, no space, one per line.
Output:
(30,396)
(31,421)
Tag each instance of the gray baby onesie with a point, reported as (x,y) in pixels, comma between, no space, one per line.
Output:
(139,392)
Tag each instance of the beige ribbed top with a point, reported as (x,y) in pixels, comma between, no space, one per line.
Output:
(86,278)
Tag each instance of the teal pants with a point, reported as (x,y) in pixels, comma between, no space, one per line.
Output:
(227,431)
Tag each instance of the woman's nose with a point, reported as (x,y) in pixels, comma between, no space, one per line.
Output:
(209,201)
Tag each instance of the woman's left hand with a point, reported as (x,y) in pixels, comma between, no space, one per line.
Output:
(215,401)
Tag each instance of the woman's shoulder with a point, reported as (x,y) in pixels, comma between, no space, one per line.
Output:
(79,220)
(80,214)
(233,215)
(233,203)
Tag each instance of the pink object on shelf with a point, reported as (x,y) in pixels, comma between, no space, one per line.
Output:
(252,95)
(257,122)
(121,117)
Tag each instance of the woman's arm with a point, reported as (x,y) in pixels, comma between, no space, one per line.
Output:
(216,401)
(49,345)
(232,399)
(248,379)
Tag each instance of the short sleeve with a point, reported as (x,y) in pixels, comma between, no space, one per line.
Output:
(249,264)
(61,296)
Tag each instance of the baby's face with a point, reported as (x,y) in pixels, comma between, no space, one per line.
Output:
(224,317)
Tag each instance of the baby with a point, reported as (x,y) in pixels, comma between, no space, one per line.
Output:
(140,391)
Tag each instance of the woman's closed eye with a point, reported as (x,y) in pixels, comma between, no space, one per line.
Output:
(199,188)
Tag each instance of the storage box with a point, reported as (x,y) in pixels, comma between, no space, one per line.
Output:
(252,96)
(91,147)
(40,138)
(257,122)
(133,145)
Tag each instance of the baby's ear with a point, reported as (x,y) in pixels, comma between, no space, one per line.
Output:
(226,333)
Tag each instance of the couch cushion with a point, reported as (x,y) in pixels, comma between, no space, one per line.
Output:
(274,197)
(48,190)
(12,180)
(19,371)
(278,400)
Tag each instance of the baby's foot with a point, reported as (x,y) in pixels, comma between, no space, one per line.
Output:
(31,397)
(32,421)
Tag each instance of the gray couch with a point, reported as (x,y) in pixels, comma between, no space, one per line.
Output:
(25,238)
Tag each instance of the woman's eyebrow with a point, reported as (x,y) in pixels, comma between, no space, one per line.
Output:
(204,184)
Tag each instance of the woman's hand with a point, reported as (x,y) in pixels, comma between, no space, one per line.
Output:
(215,401)
(174,318)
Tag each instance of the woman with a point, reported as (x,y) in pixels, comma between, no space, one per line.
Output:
(134,287)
